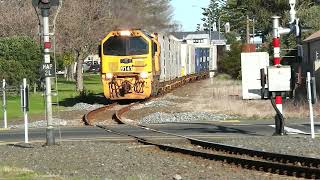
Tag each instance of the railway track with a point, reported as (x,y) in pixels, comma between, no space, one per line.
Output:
(281,164)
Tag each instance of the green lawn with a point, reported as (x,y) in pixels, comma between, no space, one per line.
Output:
(67,96)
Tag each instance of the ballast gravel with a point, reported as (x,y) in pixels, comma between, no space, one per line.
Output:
(154,104)
(161,117)
(102,160)
(43,123)
(301,146)
(71,116)
(84,106)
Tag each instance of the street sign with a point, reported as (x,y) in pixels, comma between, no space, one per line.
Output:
(48,70)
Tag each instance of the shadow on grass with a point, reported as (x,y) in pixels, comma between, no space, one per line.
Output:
(95,83)
(89,98)
(66,82)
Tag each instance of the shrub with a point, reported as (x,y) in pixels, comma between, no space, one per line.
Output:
(20,57)
(231,61)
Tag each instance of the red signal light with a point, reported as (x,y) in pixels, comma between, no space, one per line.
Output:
(47,45)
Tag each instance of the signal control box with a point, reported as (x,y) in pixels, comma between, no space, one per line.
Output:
(279,78)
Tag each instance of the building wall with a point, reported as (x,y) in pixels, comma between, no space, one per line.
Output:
(94,59)
(312,60)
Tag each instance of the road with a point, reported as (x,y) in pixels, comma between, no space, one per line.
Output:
(205,131)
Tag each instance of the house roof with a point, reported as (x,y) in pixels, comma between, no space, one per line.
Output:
(315,36)
(202,34)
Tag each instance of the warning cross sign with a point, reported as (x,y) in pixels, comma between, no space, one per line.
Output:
(48,70)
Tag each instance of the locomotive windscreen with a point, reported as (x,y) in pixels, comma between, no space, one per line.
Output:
(125,46)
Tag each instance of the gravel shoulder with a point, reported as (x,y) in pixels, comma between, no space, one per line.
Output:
(102,160)
(69,116)
(301,146)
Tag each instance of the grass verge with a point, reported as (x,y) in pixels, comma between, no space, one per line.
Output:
(67,96)
(7,172)
(226,97)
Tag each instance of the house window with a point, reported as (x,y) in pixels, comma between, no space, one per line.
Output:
(198,41)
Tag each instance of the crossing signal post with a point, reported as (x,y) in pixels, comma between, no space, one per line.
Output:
(44,6)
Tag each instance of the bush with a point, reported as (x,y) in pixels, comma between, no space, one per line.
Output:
(231,62)
(223,77)
(20,57)
(12,71)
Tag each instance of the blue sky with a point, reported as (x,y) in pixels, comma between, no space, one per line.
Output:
(188,12)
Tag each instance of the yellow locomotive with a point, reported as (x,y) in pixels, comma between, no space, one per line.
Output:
(130,64)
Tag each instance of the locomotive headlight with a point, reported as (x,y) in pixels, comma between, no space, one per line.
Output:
(125,33)
(109,76)
(144,75)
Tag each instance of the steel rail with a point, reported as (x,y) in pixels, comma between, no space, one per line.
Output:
(269,162)
(307,165)
(276,157)
(266,166)
(88,117)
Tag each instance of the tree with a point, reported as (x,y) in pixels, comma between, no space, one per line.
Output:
(83,24)
(230,63)
(68,62)
(18,18)
(20,57)
(310,17)
(213,13)
(235,12)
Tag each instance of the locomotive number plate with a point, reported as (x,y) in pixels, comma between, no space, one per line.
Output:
(125,68)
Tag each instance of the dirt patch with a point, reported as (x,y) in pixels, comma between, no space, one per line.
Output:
(221,97)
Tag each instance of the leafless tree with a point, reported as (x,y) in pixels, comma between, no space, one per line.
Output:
(81,24)
(17,18)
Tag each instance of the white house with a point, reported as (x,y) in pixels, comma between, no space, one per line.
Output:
(205,39)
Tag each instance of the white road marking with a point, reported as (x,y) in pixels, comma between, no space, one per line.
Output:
(291,130)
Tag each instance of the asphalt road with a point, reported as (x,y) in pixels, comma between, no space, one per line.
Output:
(198,130)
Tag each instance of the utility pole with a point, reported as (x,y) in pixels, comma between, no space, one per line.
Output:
(248,30)
(219,27)
(253,30)
(44,6)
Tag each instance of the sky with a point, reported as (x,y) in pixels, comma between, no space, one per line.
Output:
(188,13)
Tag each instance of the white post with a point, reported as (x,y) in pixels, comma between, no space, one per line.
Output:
(24,107)
(310,104)
(4,103)
(292,11)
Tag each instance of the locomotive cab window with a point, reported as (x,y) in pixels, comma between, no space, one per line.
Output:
(125,46)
